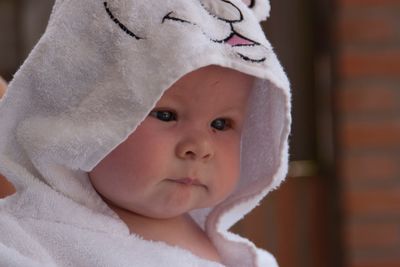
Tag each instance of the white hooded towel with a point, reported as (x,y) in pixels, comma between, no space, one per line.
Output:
(95,74)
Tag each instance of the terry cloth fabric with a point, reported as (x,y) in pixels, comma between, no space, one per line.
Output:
(95,74)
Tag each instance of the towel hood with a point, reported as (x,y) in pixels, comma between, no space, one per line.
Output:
(101,66)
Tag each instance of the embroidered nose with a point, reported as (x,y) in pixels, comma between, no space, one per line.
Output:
(223,10)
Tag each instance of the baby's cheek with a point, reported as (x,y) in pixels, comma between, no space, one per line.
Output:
(232,167)
(225,184)
(232,154)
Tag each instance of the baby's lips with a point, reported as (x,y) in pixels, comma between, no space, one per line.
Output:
(189,181)
(186,181)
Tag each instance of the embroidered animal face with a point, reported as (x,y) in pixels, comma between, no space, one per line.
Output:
(224,22)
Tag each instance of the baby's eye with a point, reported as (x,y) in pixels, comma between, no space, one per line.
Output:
(163,115)
(221,124)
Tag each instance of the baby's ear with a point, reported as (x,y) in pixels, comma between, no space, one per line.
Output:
(260,8)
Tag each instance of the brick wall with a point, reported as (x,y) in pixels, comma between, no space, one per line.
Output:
(368,130)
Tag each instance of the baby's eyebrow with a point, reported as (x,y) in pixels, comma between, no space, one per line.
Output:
(236,110)
(173,96)
(169,98)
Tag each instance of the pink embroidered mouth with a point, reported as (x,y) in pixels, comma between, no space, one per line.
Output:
(236,40)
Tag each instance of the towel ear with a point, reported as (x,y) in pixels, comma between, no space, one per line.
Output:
(260,8)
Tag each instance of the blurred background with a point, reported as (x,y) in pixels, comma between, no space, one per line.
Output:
(340,205)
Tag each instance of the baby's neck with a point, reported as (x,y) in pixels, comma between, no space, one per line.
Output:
(179,231)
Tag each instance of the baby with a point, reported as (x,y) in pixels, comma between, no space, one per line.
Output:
(138,132)
(183,156)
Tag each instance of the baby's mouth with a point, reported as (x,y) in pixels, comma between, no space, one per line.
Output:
(186,181)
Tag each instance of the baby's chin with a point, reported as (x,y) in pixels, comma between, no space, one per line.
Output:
(171,214)
(156,214)
(160,209)
(163,214)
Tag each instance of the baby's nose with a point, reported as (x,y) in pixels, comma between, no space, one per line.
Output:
(223,10)
(195,146)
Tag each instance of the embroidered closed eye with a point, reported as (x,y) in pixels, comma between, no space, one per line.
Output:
(119,23)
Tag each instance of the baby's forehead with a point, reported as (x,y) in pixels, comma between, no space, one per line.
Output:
(213,83)
(207,98)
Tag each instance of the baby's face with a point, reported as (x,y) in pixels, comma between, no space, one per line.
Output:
(185,154)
